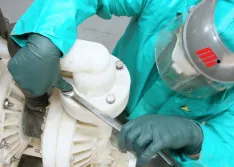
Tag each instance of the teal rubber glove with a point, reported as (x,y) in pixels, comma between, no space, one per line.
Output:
(36,66)
(149,134)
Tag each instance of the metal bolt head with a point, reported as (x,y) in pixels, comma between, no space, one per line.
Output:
(110,99)
(119,65)
(72,159)
(2,144)
(7,104)
(43,127)
(14,159)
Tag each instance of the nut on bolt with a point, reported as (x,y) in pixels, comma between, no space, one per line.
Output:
(119,65)
(43,127)
(72,159)
(110,99)
(7,104)
(2,144)
(14,159)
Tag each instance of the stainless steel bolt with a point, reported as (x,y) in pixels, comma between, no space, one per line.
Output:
(119,65)
(7,104)
(43,127)
(72,159)
(110,99)
(2,144)
(14,159)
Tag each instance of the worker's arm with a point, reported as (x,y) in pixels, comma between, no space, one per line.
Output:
(48,30)
(58,20)
(120,7)
(218,143)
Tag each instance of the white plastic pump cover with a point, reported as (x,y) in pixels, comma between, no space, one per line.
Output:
(73,137)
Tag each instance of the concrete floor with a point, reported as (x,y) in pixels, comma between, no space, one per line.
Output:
(105,33)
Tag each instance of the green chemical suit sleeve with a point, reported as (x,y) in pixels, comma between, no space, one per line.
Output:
(218,143)
(58,20)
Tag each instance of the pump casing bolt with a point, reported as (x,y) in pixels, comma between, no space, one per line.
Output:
(7,104)
(119,65)
(110,99)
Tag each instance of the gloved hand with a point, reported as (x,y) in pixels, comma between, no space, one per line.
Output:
(149,134)
(36,66)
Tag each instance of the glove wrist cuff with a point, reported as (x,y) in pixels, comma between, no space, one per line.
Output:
(195,144)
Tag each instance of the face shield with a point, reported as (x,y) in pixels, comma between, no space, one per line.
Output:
(191,58)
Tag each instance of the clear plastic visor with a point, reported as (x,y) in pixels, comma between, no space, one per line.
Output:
(175,68)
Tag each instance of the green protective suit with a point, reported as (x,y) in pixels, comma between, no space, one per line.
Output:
(58,20)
